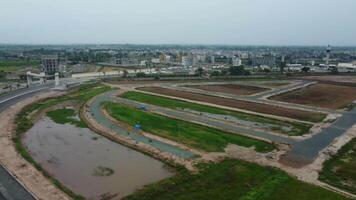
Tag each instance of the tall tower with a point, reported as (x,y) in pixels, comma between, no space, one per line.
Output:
(328,51)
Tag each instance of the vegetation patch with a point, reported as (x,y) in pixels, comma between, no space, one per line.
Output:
(103,171)
(63,116)
(340,170)
(24,122)
(296,128)
(194,135)
(232,179)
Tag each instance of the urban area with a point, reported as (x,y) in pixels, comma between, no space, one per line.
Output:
(177,122)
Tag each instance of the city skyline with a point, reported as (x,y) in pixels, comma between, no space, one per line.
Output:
(227,22)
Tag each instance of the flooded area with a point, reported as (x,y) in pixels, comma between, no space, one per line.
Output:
(89,164)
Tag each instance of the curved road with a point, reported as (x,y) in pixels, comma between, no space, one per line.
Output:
(10,188)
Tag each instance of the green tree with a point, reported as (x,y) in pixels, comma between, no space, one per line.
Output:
(305,69)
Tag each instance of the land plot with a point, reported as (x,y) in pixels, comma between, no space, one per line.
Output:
(230,89)
(320,95)
(245,105)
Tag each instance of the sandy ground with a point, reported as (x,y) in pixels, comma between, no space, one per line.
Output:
(30,177)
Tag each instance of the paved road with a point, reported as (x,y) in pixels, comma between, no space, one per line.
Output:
(10,189)
(302,150)
(307,150)
(95,110)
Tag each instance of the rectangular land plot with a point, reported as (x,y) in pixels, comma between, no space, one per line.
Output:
(246,105)
(230,89)
(320,95)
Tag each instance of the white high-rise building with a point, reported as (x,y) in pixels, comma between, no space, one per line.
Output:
(236,61)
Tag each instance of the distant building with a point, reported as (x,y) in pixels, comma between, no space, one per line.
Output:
(50,64)
(264,60)
(236,61)
(155,60)
(187,61)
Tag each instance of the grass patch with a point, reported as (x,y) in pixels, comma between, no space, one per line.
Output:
(24,122)
(63,116)
(103,171)
(340,170)
(232,179)
(14,65)
(297,128)
(194,135)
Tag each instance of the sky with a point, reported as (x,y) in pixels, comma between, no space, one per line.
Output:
(231,22)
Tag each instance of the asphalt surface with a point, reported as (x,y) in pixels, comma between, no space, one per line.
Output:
(307,150)
(10,189)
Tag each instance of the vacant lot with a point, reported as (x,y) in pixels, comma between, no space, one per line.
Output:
(340,170)
(272,124)
(321,95)
(246,105)
(193,135)
(233,179)
(230,89)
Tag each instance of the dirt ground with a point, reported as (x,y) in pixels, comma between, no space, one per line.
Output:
(246,105)
(336,79)
(320,95)
(230,88)
(34,180)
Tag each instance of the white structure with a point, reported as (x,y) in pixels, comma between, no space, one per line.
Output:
(346,67)
(328,51)
(186,61)
(56,79)
(30,76)
(236,61)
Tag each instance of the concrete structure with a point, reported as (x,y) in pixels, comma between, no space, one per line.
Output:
(327,62)
(186,61)
(50,64)
(236,61)
(41,76)
(264,60)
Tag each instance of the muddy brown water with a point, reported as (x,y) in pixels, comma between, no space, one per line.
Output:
(72,155)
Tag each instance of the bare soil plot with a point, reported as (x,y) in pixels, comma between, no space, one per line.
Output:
(246,105)
(230,88)
(336,79)
(321,95)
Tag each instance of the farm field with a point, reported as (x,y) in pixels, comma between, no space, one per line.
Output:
(13,66)
(233,179)
(193,135)
(340,170)
(293,128)
(320,95)
(230,89)
(246,105)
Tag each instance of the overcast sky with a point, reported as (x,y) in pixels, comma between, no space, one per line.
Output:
(253,22)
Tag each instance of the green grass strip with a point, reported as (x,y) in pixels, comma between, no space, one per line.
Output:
(297,128)
(194,135)
(63,116)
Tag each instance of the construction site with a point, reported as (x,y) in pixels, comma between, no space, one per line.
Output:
(109,139)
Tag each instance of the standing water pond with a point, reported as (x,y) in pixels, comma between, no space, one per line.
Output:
(89,164)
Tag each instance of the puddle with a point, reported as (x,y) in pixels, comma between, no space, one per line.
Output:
(89,164)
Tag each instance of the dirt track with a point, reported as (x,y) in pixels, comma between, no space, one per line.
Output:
(320,95)
(246,105)
(230,89)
